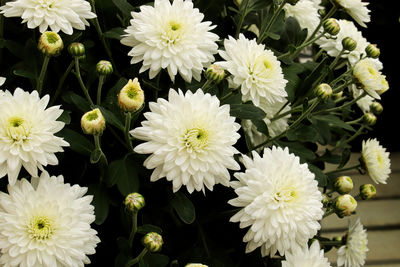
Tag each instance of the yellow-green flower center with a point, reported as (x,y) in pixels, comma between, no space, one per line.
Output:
(172,32)
(92,116)
(196,139)
(40,228)
(18,129)
(285,195)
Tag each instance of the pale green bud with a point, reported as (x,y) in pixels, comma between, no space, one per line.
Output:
(345,205)
(76,49)
(325,200)
(349,44)
(367,191)
(50,44)
(376,108)
(343,184)
(372,51)
(93,122)
(369,118)
(153,241)
(104,67)
(331,26)
(195,265)
(215,73)
(131,96)
(134,202)
(324,91)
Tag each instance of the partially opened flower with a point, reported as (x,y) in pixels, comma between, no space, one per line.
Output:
(353,253)
(357,9)
(27,133)
(376,161)
(46,223)
(190,138)
(254,69)
(171,36)
(64,15)
(280,202)
(306,256)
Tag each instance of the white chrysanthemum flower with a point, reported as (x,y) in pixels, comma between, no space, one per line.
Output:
(191,140)
(353,254)
(306,14)
(333,46)
(171,36)
(365,102)
(275,127)
(357,9)
(255,69)
(46,223)
(2,80)
(306,257)
(27,131)
(280,199)
(376,160)
(57,15)
(370,78)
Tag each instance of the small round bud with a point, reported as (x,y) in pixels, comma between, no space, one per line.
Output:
(324,91)
(372,51)
(367,191)
(215,73)
(104,67)
(292,2)
(337,238)
(131,96)
(325,200)
(369,118)
(376,108)
(331,26)
(50,44)
(76,49)
(345,205)
(93,122)
(343,184)
(195,265)
(134,202)
(349,44)
(153,241)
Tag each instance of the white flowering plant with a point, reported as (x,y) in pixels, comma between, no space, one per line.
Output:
(238,104)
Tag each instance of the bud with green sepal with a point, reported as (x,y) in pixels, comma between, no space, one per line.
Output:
(195,265)
(104,67)
(50,44)
(324,91)
(343,184)
(376,108)
(153,241)
(215,73)
(325,200)
(372,51)
(331,26)
(76,49)
(134,202)
(369,118)
(93,122)
(367,191)
(131,96)
(349,44)
(345,205)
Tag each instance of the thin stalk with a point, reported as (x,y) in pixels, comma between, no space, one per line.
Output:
(344,169)
(134,227)
(336,60)
(128,118)
(103,160)
(83,87)
(327,213)
(298,49)
(231,93)
(241,19)
(39,82)
(354,121)
(99,87)
(330,110)
(61,82)
(206,85)
(264,34)
(137,259)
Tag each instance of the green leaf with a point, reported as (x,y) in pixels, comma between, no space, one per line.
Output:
(155,260)
(319,175)
(65,117)
(77,142)
(114,33)
(303,133)
(247,111)
(334,121)
(25,73)
(100,202)
(95,156)
(111,118)
(124,7)
(123,173)
(79,102)
(146,228)
(183,207)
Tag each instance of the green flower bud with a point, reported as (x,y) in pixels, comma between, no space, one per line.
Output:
(50,44)
(195,265)
(376,108)
(93,122)
(131,96)
(324,91)
(343,184)
(337,238)
(367,191)
(345,205)
(369,118)
(372,51)
(331,26)
(349,44)
(104,67)
(325,200)
(153,241)
(134,202)
(76,49)
(215,73)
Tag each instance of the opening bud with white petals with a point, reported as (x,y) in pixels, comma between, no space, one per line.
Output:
(345,205)
(50,44)
(367,191)
(343,184)
(93,122)
(131,96)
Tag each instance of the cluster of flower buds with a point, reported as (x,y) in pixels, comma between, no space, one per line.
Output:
(50,44)
(131,96)
(93,122)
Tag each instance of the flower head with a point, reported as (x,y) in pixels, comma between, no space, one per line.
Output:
(353,254)
(131,96)
(46,223)
(93,122)
(357,9)
(171,36)
(376,161)
(280,202)
(306,13)
(57,15)
(190,138)
(306,257)
(50,43)
(255,69)
(27,131)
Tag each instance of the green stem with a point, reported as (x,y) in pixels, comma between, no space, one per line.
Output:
(241,19)
(265,32)
(39,83)
(336,60)
(330,110)
(231,93)
(61,82)
(327,16)
(137,259)
(206,85)
(99,87)
(328,212)
(331,243)
(103,160)
(134,228)
(354,121)
(344,169)
(82,85)
(298,49)
(128,118)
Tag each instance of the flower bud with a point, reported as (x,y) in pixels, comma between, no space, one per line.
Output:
(376,108)
(372,51)
(325,200)
(215,73)
(367,191)
(322,12)
(337,238)
(343,184)
(134,202)
(369,118)
(238,2)
(131,96)
(345,205)
(76,49)
(93,122)
(195,265)
(153,241)
(349,44)
(331,26)
(324,91)
(104,67)
(50,44)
